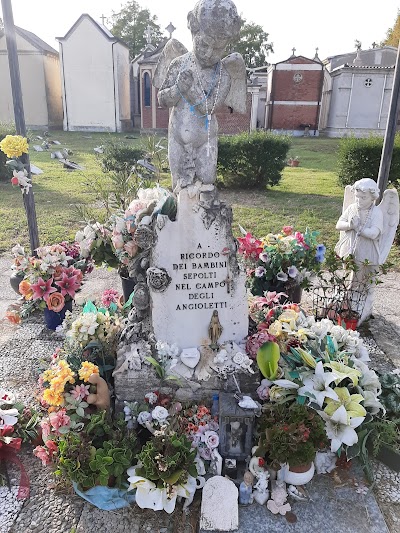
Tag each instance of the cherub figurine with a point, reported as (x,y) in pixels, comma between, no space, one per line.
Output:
(195,85)
(367,231)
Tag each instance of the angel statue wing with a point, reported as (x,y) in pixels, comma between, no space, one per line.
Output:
(390,211)
(237,97)
(172,50)
(348,199)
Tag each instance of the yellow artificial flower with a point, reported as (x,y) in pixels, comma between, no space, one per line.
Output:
(290,316)
(48,374)
(53,398)
(57,385)
(86,370)
(275,328)
(351,403)
(343,371)
(307,358)
(14,145)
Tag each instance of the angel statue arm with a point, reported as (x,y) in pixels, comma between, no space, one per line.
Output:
(167,74)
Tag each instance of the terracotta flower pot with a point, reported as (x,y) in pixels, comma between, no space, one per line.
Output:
(347,323)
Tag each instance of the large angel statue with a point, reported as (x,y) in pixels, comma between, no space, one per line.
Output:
(195,85)
(367,232)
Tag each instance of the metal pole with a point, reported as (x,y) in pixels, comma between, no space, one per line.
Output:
(391,127)
(29,201)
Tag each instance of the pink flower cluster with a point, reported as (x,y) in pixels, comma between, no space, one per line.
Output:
(250,247)
(109,296)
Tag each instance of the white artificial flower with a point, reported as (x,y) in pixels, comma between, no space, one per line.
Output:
(317,385)
(371,402)
(144,417)
(18,250)
(340,429)
(322,327)
(8,417)
(339,334)
(286,384)
(151,397)
(6,397)
(369,379)
(160,414)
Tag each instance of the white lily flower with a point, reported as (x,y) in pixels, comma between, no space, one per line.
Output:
(318,385)
(340,429)
(371,402)
(322,327)
(8,417)
(369,380)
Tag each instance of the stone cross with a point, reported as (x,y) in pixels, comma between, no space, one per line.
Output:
(103,18)
(148,34)
(170,29)
(293,50)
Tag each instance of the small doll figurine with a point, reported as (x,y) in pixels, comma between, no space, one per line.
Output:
(246,489)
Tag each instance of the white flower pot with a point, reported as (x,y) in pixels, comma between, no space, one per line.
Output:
(295,478)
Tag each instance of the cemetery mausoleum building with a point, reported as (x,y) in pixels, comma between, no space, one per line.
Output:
(95,78)
(40,81)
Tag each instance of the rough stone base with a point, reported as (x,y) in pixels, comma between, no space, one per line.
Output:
(134,384)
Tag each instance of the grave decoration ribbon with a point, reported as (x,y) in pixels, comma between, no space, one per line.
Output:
(8,447)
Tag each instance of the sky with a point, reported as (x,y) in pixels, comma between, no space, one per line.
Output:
(304,24)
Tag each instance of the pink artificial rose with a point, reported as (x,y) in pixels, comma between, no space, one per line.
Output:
(59,419)
(131,248)
(287,230)
(14,180)
(41,453)
(263,389)
(51,446)
(118,241)
(46,429)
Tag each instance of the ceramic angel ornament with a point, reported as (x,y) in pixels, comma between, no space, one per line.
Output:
(367,231)
(195,85)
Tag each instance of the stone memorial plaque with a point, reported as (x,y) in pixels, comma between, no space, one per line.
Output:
(204,277)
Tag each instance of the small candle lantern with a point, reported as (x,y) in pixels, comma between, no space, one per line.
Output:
(235,428)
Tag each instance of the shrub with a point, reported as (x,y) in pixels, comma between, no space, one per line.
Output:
(252,160)
(119,157)
(360,158)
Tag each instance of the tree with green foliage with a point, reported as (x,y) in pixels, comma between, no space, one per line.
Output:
(130,24)
(393,34)
(253,45)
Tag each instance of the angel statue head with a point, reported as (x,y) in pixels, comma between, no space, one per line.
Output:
(366,192)
(214,24)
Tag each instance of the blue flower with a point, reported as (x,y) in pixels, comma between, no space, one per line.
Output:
(320,253)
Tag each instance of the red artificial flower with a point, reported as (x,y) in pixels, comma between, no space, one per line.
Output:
(261,461)
(249,246)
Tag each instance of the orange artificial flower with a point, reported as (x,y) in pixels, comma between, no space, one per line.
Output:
(13,316)
(52,398)
(55,301)
(25,289)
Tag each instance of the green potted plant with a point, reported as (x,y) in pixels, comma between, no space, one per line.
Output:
(290,437)
(166,469)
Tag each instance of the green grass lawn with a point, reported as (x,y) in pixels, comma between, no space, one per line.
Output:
(307,196)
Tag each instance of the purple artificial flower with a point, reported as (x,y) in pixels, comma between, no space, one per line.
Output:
(264,257)
(293,272)
(282,276)
(259,272)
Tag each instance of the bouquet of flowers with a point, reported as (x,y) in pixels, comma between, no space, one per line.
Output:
(321,365)
(14,146)
(201,428)
(51,279)
(126,234)
(280,262)
(17,425)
